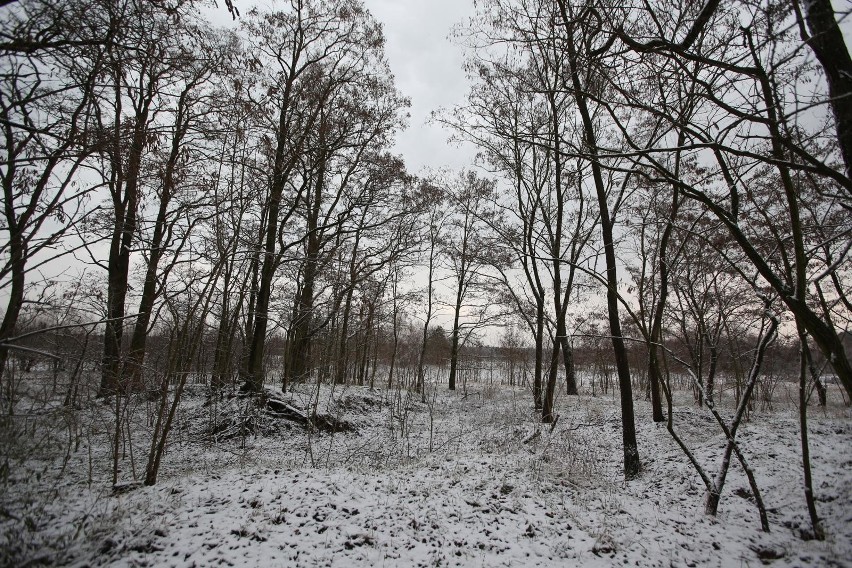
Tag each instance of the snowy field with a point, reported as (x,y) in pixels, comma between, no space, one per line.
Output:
(459,480)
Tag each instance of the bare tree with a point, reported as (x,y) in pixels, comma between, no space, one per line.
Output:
(381,243)
(756,59)
(189,307)
(433,199)
(142,59)
(45,138)
(465,249)
(179,186)
(320,60)
(581,83)
(521,116)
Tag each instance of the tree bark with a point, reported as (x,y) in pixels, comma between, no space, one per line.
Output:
(17,263)
(118,263)
(539,353)
(298,365)
(454,340)
(827,42)
(547,415)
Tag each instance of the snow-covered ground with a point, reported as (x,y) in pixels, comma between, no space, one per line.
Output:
(460,480)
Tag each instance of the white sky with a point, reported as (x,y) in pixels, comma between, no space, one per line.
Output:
(428,69)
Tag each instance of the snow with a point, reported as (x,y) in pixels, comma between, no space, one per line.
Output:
(462,480)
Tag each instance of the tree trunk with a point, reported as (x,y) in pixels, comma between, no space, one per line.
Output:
(248,330)
(568,360)
(395,334)
(259,317)
(118,269)
(829,46)
(421,368)
(365,348)
(118,264)
(221,352)
(454,341)
(253,379)
(539,354)
(816,525)
(547,415)
(655,374)
(300,343)
(17,262)
(343,349)
(628,426)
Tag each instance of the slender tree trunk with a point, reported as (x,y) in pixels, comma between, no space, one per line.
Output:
(547,415)
(421,359)
(343,349)
(454,340)
(343,352)
(395,333)
(819,534)
(365,348)
(628,426)
(186,344)
(539,354)
(816,525)
(714,490)
(136,353)
(17,263)
(248,330)
(711,370)
(221,352)
(556,257)
(375,357)
(655,374)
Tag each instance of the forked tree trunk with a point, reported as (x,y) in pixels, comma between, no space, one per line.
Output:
(125,208)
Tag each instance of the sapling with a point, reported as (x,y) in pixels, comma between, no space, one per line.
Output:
(714,487)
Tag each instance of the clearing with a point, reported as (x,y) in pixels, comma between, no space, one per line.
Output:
(460,480)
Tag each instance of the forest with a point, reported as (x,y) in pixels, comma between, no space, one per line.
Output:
(219,279)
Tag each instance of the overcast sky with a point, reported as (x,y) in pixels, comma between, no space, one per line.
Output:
(427,66)
(428,69)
